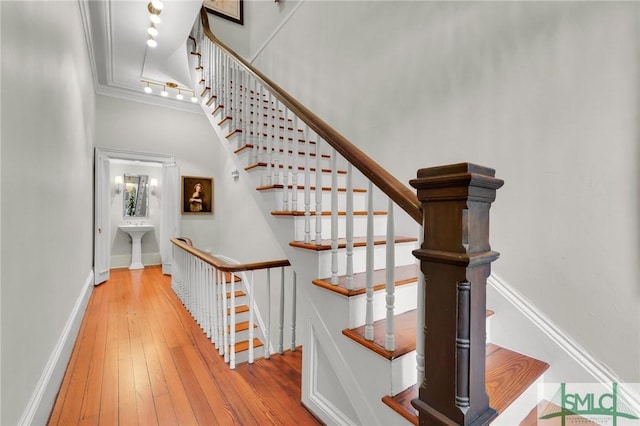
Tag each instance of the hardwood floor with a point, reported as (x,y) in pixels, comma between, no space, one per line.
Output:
(140,359)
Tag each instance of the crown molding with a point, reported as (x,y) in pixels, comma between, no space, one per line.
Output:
(144,98)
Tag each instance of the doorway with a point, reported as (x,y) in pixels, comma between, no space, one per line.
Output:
(169,196)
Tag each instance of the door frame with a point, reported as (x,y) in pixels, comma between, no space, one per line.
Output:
(102,204)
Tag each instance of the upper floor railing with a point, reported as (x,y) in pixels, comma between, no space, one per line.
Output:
(208,286)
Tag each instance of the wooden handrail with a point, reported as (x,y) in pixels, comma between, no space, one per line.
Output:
(396,190)
(223,265)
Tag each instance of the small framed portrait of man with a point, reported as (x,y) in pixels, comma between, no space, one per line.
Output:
(197,195)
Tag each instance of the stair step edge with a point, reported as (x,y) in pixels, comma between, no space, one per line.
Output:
(358,242)
(500,395)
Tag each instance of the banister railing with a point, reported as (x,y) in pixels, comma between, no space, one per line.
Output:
(206,285)
(225,266)
(389,184)
(269,125)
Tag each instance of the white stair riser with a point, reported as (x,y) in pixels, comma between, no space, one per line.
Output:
(243,356)
(403,372)
(325,179)
(359,226)
(247,157)
(359,200)
(405,296)
(402,252)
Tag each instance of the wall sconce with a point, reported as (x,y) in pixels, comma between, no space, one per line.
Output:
(118,182)
(153,185)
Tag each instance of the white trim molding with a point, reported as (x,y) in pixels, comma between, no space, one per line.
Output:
(275,32)
(583,359)
(39,406)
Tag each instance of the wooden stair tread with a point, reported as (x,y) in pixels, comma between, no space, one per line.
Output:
(248,146)
(508,374)
(405,336)
(405,333)
(242,326)
(404,275)
(239,309)
(297,213)
(238,293)
(301,187)
(281,166)
(342,243)
(243,345)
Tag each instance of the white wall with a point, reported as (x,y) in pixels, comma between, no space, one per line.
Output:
(120,240)
(48,115)
(145,128)
(545,92)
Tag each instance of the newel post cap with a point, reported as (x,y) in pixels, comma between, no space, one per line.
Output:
(462,181)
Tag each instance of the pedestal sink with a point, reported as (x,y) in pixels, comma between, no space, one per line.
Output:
(136,232)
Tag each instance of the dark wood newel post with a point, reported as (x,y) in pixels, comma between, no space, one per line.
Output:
(456,261)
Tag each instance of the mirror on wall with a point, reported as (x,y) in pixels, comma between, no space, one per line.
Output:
(136,195)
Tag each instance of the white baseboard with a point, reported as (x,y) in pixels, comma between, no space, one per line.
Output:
(43,397)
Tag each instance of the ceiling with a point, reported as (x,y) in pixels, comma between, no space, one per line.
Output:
(116,32)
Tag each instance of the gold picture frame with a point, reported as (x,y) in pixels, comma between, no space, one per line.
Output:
(233,10)
(197,195)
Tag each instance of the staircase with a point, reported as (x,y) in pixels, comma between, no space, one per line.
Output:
(360,283)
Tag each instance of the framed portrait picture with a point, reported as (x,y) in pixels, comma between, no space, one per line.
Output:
(228,9)
(197,195)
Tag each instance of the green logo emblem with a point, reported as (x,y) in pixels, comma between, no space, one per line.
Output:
(602,407)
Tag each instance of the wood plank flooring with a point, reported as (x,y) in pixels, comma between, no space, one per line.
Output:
(140,359)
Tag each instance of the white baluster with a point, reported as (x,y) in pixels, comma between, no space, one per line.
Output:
(294,160)
(293,312)
(368,327)
(285,164)
(225,318)
(255,141)
(222,313)
(225,87)
(269,144)
(307,187)
(232,332)
(242,140)
(267,332)
(334,217)
(275,131)
(219,78)
(228,90)
(199,299)
(349,226)
(251,319)
(390,284)
(174,274)
(420,321)
(318,193)
(235,113)
(214,306)
(281,321)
